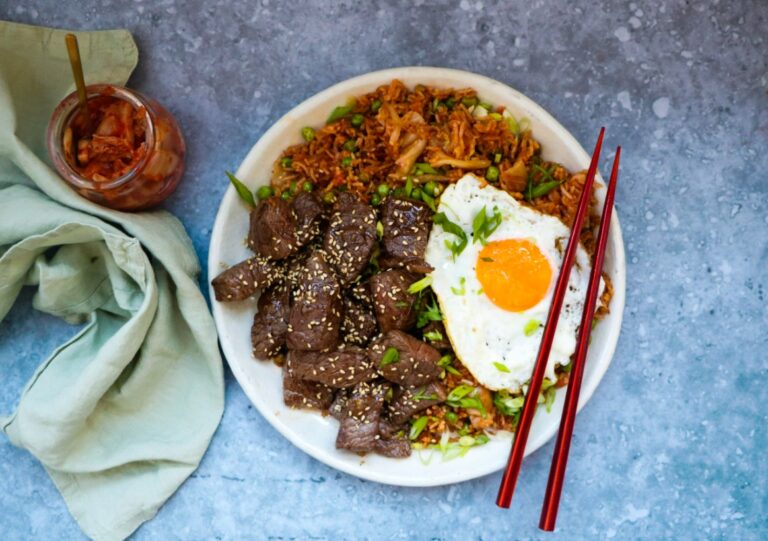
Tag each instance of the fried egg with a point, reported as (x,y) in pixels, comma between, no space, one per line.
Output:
(495,294)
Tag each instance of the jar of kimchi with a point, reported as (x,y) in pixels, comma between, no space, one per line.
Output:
(129,153)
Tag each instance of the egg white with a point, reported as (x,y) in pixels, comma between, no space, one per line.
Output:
(482,334)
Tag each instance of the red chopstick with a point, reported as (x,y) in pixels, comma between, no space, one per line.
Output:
(509,480)
(563,445)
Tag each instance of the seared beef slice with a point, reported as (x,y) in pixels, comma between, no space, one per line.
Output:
(338,369)
(407,401)
(416,362)
(406,232)
(270,323)
(308,212)
(272,231)
(244,279)
(359,421)
(305,394)
(315,317)
(350,237)
(393,304)
(359,323)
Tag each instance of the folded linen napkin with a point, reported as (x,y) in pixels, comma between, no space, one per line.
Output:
(121,414)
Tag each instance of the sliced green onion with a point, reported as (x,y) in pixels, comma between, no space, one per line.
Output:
(408,186)
(540,190)
(420,285)
(469,102)
(338,113)
(433,336)
(307,133)
(417,427)
(501,367)
(485,105)
(496,158)
(293,187)
(379,230)
(423,167)
(466,441)
(416,194)
(391,356)
(451,417)
(456,247)
(459,392)
(495,116)
(531,327)
(429,200)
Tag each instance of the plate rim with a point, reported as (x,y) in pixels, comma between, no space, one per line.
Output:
(375,77)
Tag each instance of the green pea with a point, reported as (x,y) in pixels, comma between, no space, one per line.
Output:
(329,197)
(350,145)
(293,187)
(346,162)
(286,195)
(492,173)
(383,190)
(357,120)
(375,200)
(265,192)
(307,133)
(398,192)
(375,105)
(432,188)
(416,193)
(450,102)
(286,162)
(307,186)
(451,417)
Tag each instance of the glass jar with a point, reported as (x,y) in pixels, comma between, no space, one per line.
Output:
(126,171)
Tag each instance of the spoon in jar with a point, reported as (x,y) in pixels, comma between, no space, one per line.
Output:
(77,72)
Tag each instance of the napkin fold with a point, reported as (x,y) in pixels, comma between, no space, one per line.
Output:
(121,414)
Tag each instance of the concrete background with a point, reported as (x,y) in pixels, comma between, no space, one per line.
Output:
(673,444)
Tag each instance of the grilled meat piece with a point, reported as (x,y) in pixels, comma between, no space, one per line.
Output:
(270,323)
(308,213)
(337,369)
(416,362)
(243,280)
(305,394)
(393,304)
(350,237)
(272,232)
(410,400)
(406,232)
(359,424)
(315,318)
(358,325)
(393,448)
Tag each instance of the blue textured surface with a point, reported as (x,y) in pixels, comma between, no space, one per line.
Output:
(674,444)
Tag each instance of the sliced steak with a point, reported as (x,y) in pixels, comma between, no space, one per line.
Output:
(393,304)
(337,369)
(305,394)
(435,335)
(336,409)
(416,362)
(270,324)
(408,401)
(243,280)
(350,237)
(315,318)
(359,325)
(393,448)
(361,292)
(359,422)
(308,213)
(406,232)
(272,232)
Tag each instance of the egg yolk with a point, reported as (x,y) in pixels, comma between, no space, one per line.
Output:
(514,273)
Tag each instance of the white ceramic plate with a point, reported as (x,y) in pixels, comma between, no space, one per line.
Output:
(261,381)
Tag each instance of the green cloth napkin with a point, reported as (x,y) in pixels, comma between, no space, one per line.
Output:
(121,414)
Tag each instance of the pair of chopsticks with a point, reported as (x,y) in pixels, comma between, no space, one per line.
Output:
(560,457)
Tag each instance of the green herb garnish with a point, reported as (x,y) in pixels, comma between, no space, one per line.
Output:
(460,290)
(457,246)
(433,336)
(420,285)
(430,312)
(379,230)
(422,168)
(483,225)
(391,356)
(417,427)
(338,113)
(242,190)
(531,327)
(501,367)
